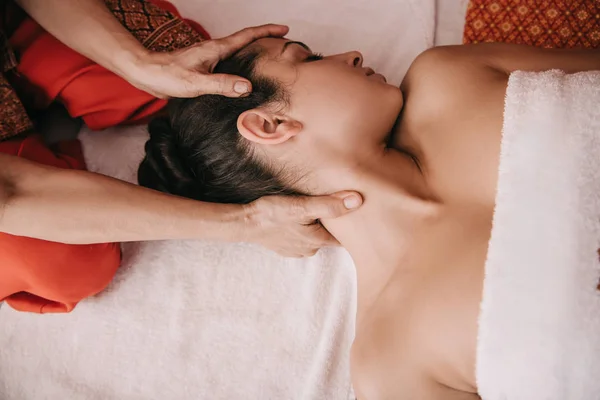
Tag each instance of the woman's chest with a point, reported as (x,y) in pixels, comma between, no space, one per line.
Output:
(421,334)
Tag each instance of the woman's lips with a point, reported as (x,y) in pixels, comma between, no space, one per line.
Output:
(378,76)
(370,73)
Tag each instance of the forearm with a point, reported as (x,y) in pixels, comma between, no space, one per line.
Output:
(88,27)
(81,207)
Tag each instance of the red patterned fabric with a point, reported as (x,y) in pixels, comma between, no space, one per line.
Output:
(156,24)
(542,23)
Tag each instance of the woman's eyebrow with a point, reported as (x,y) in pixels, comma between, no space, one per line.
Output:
(285,46)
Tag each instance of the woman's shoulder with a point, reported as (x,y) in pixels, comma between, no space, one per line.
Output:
(441,56)
(453,65)
(446,80)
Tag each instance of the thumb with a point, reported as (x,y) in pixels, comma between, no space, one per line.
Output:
(223,84)
(331,206)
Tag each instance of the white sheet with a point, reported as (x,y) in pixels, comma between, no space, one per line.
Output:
(450,21)
(191,320)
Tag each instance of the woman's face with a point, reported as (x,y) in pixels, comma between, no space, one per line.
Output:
(338,111)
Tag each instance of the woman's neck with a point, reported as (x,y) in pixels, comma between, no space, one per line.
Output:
(379,235)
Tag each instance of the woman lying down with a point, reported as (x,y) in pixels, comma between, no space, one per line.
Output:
(426,159)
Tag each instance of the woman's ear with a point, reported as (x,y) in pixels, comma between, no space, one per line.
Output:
(262,127)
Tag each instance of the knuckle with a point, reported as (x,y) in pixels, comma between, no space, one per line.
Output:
(211,45)
(249,31)
(196,49)
(253,33)
(273,201)
(333,209)
(296,206)
(221,79)
(220,83)
(223,47)
(215,47)
(263,208)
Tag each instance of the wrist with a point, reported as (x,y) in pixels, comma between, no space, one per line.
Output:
(130,60)
(220,222)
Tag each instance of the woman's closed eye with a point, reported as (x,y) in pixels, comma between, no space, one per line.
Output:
(314,57)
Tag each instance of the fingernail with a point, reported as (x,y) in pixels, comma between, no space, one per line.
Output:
(351,202)
(241,87)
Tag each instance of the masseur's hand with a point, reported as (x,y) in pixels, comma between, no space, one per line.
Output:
(188,72)
(290,225)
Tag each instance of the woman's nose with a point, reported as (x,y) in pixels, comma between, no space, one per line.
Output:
(352,58)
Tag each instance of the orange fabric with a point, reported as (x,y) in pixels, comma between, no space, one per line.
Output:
(41,276)
(547,23)
(49,71)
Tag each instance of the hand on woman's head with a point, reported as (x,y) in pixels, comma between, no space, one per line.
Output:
(189,72)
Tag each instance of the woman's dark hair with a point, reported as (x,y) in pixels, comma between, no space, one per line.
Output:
(197,151)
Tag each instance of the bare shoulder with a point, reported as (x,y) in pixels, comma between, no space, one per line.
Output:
(458,72)
(445,85)
(450,58)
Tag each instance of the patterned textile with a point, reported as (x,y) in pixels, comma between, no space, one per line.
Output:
(7,56)
(155,28)
(13,117)
(542,23)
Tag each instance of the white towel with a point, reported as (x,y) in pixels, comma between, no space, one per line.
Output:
(539,332)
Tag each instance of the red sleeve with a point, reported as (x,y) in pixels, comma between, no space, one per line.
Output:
(48,71)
